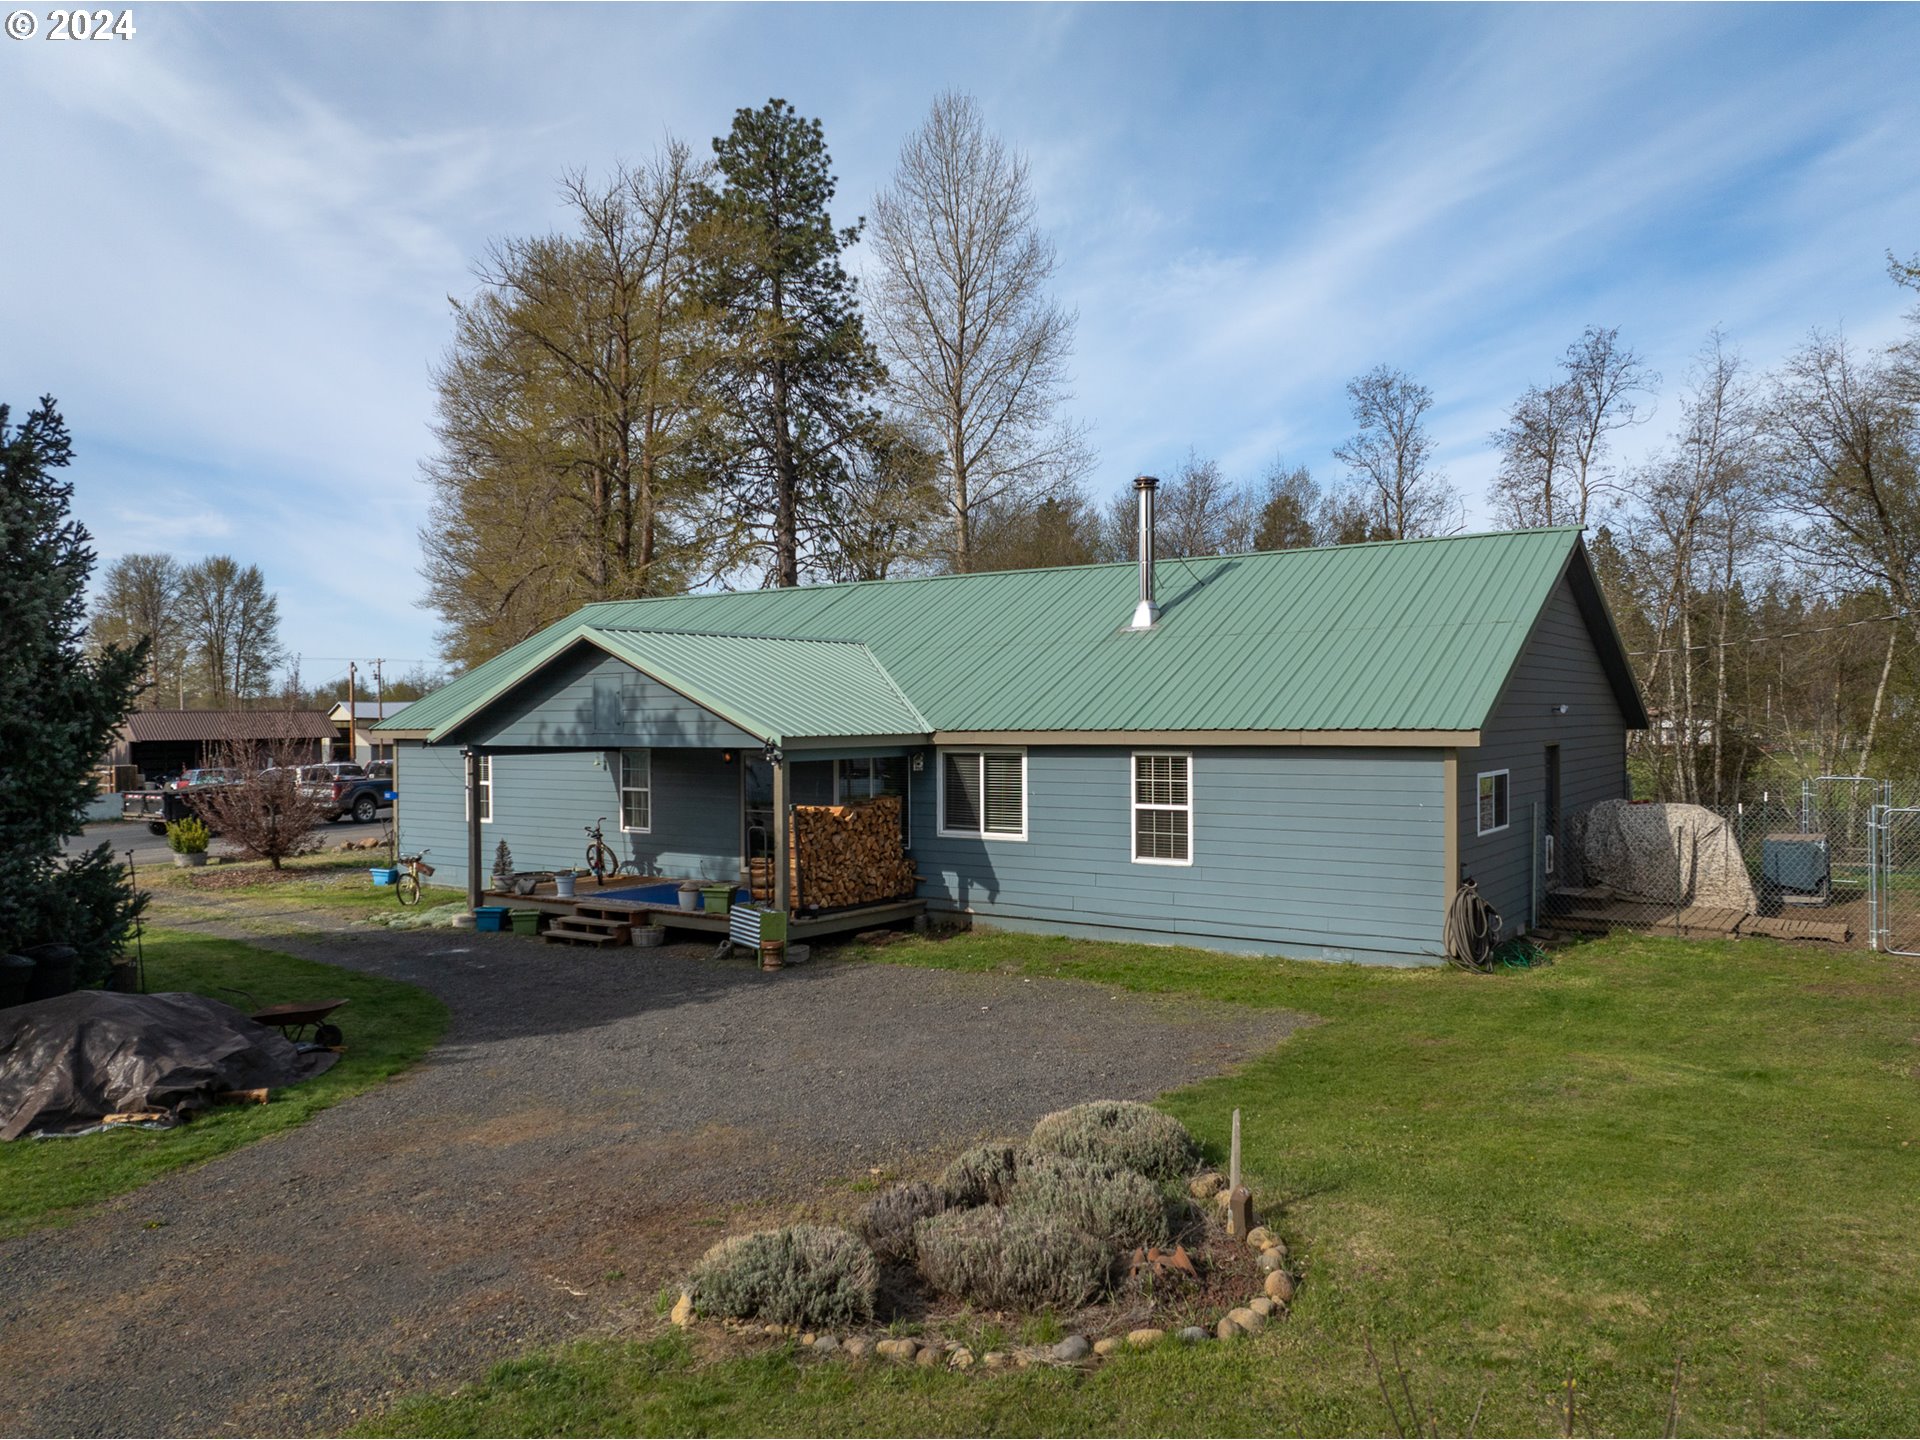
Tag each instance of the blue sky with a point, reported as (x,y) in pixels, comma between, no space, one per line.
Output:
(229,241)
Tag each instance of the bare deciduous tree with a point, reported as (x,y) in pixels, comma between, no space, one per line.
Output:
(140,600)
(1536,446)
(230,623)
(265,814)
(1392,453)
(975,349)
(1607,382)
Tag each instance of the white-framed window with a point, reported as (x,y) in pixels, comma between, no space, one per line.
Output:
(1162,807)
(1493,808)
(636,791)
(983,794)
(484,787)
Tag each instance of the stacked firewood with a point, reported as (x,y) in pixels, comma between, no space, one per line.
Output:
(850,854)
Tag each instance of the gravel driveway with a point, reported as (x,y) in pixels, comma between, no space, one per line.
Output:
(593,1120)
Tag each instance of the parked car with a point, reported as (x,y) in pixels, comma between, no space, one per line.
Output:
(212,775)
(344,788)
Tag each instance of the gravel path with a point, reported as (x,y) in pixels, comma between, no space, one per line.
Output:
(592,1122)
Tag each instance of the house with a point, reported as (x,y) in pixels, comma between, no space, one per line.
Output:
(1296,753)
(353,738)
(161,743)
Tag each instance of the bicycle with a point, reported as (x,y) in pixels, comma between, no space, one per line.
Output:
(406,885)
(600,857)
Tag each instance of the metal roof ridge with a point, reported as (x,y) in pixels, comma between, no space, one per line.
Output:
(727,634)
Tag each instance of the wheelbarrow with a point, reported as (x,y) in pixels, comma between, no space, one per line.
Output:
(295,1017)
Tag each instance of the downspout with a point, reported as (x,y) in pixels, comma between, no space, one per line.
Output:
(474,895)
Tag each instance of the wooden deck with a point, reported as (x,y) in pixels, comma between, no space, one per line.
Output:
(1596,912)
(589,905)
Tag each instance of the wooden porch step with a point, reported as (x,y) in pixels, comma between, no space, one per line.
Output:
(583,930)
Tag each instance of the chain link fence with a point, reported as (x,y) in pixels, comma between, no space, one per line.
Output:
(1837,862)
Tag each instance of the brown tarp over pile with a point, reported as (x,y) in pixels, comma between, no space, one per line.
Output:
(67,1062)
(1664,854)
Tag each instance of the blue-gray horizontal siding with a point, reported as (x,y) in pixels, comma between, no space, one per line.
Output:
(1320,852)
(542,802)
(587,697)
(1560,666)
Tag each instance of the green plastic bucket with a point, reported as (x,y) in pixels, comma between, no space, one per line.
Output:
(717,898)
(525,922)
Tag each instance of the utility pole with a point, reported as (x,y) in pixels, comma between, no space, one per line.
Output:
(380,698)
(353,712)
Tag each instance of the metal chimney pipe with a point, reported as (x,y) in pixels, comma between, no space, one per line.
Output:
(1146,614)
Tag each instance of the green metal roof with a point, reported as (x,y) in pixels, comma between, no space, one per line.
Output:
(1412,635)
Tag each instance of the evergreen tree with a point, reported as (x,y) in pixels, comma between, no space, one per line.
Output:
(794,386)
(59,707)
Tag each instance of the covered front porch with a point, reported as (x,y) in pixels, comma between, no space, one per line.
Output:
(780,768)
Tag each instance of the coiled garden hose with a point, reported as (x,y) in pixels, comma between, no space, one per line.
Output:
(1473,930)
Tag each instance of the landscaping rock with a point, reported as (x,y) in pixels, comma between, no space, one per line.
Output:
(931,1356)
(994,1360)
(961,1359)
(1261,1306)
(1073,1348)
(825,1345)
(682,1314)
(1106,1347)
(856,1347)
(1271,1260)
(1280,1287)
(1247,1320)
(797,954)
(1140,1339)
(1206,1186)
(808,1337)
(903,1349)
(1227,1329)
(1259,1237)
(1193,1335)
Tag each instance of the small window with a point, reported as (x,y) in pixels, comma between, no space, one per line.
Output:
(636,790)
(1163,809)
(1493,801)
(484,786)
(984,793)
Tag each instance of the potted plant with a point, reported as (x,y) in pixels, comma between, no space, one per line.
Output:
(689,895)
(188,839)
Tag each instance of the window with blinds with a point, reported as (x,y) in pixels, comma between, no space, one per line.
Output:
(1163,809)
(636,790)
(984,792)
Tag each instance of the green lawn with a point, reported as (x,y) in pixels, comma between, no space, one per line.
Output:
(388,1026)
(1656,1153)
(333,883)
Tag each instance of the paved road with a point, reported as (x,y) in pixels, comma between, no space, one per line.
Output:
(151,849)
(593,1121)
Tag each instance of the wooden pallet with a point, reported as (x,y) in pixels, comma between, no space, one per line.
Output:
(1793,927)
(588,930)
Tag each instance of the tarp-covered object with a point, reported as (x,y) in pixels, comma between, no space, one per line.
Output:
(1666,854)
(66,1062)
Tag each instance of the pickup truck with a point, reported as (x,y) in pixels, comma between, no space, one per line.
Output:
(344,789)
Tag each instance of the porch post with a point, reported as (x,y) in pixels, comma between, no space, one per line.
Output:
(782,880)
(472,757)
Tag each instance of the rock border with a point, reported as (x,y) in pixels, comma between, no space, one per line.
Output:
(928,1352)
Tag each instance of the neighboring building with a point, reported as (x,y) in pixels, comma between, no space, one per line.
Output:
(161,743)
(1302,754)
(356,741)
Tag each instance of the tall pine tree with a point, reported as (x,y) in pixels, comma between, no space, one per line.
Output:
(58,708)
(800,368)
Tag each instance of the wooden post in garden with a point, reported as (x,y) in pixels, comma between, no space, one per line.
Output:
(1239,1203)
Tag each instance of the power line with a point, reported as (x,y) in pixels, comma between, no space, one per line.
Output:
(1769,639)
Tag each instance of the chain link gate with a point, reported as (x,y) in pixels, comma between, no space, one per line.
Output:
(1841,808)
(1894,901)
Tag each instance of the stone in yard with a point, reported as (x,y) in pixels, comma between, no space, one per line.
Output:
(856,1347)
(825,1345)
(961,1359)
(1106,1347)
(1193,1335)
(1280,1287)
(807,1337)
(682,1311)
(1205,1187)
(930,1357)
(994,1360)
(1145,1336)
(1247,1320)
(897,1349)
(1072,1349)
(1259,1237)
(1227,1329)
(1271,1260)
(1261,1306)
(797,954)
